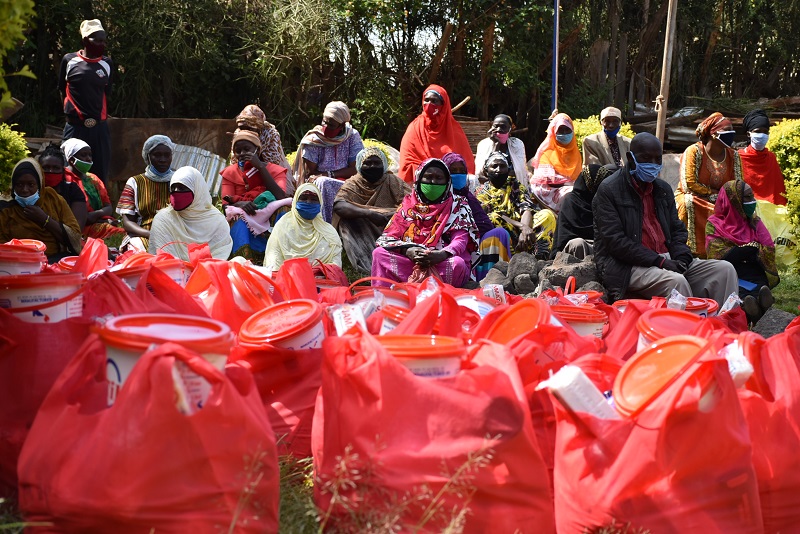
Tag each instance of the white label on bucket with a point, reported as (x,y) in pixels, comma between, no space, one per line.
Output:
(47,314)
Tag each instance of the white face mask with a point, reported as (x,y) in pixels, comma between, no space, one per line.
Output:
(758,140)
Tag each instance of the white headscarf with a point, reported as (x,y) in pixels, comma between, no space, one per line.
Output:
(296,237)
(149,145)
(201,222)
(72,146)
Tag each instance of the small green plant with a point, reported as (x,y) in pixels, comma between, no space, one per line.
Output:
(591,125)
(784,141)
(12,149)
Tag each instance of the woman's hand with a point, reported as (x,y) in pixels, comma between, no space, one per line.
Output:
(526,238)
(248,207)
(433,257)
(35,214)
(378,219)
(416,254)
(255,161)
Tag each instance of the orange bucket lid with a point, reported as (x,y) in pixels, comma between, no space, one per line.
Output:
(20,253)
(26,281)
(35,244)
(650,371)
(696,304)
(579,314)
(68,263)
(591,294)
(365,292)
(280,321)
(422,346)
(324,283)
(664,322)
(138,331)
(713,306)
(394,313)
(519,319)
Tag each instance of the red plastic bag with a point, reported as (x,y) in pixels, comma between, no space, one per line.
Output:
(161,294)
(673,468)
(296,280)
(288,382)
(141,464)
(437,314)
(409,436)
(209,282)
(771,406)
(93,257)
(198,252)
(623,339)
(330,271)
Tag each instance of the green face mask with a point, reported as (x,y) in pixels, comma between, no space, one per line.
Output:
(749,208)
(82,166)
(432,191)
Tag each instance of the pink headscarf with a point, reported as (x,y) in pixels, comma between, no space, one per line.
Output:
(730,222)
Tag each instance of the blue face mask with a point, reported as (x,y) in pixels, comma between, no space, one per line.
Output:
(646,172)
(459,181)
(27,201)
(564,139)
(726,137)
(308,210)
(155,171)
(759,140)
(612,133)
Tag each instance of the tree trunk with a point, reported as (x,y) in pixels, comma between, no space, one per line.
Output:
(622,64)
(437,59)
(712,44)
(613,16)
(486,60)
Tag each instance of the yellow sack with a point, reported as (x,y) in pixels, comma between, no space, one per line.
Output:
(776,219)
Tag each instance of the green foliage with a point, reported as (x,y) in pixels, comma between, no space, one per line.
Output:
(591,125)
(15,17)
(784,141)
(12,149)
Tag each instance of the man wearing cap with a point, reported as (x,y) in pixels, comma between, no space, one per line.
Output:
(607,147)
(85,82)
(640,243)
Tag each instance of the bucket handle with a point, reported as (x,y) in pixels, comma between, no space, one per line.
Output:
(569,287)
(369,279)
(50,304)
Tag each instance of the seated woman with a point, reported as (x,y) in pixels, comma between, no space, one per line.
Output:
(39,213)
(145,194)
(253,119)
(190,218)
(99,220)
(432,229)
(499,140)
(705,166)
(494,241)
(734,233)
(557,163)
(364,205)
(302,233)
(252,190)
(52,162)
(509,206)
(327,154)
(434,133)
(575,227)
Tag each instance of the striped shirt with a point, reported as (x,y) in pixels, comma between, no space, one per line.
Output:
(142,197)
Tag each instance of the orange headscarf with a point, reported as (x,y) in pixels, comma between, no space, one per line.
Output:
(559,164)
(433,137)
(716,122)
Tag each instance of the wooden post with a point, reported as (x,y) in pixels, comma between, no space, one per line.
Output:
(554,86)
(666,66)
(437,59)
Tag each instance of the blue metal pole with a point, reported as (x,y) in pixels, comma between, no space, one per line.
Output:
(554,88)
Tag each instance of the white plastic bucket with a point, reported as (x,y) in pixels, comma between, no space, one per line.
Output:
(479,304)
(42,298)
(175,269)
(392,316)
(293,324)
(127,337)
(17,259)
(585,321)
(660,323)
(426,356)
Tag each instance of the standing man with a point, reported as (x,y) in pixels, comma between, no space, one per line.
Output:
(85,82)
(607,147)
(639,241)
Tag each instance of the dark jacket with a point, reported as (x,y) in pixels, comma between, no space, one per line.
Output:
(575,218)
(618,213)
